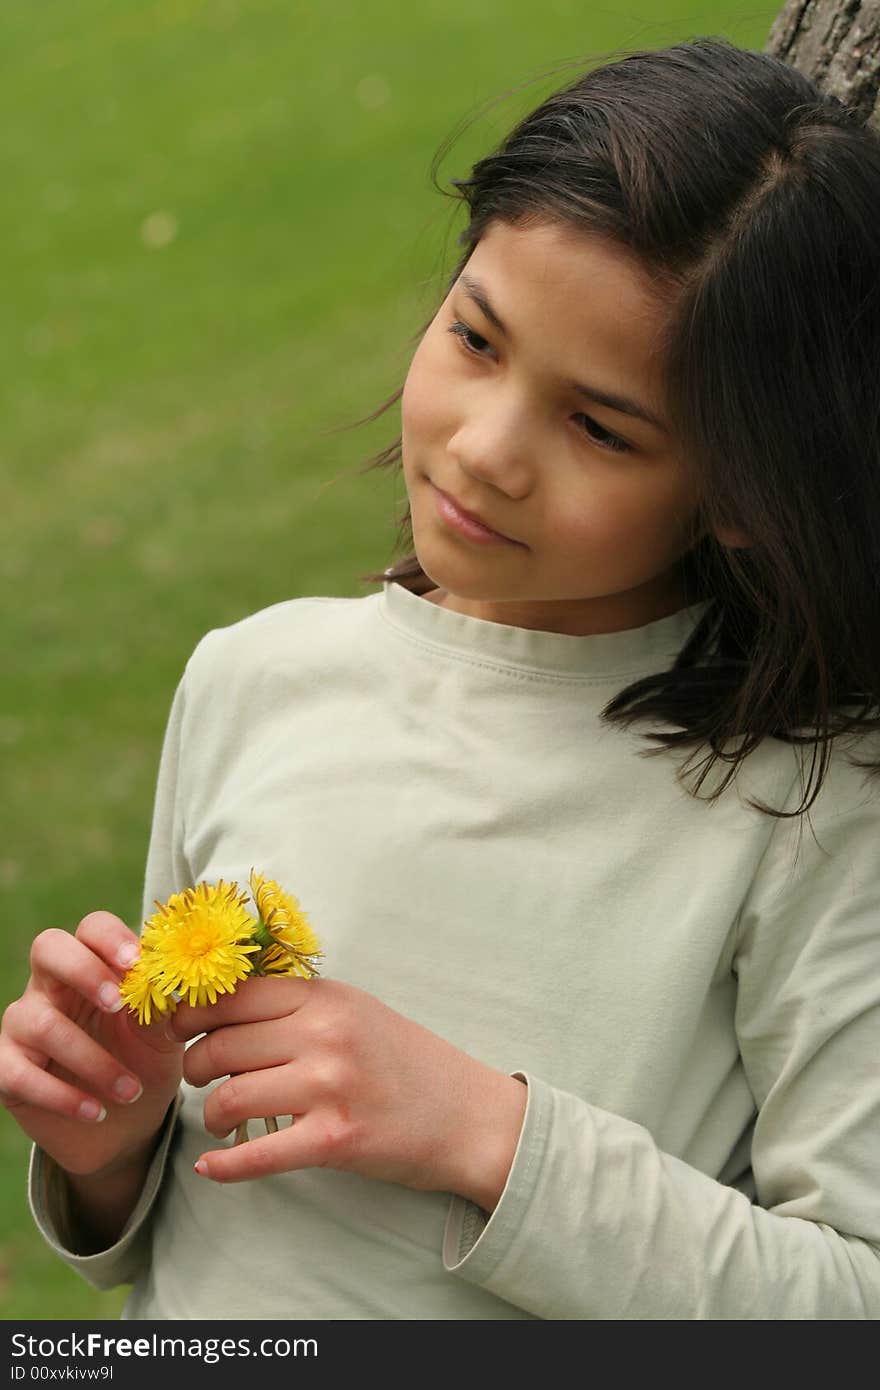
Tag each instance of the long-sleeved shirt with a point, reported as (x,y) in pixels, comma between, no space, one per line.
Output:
(693,1006)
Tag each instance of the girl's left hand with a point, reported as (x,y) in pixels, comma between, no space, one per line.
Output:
(371,1092)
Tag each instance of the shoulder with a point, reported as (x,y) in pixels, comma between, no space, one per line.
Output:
(825,858)
(297,631)
(848,773)
(849,796)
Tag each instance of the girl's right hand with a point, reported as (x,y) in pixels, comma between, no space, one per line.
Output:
(66,1045)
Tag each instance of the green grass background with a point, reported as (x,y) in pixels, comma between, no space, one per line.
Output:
(217,236)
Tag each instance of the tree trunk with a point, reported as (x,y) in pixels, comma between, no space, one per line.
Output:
(836,43)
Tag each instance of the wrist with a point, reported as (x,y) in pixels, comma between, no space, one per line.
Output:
(135,1157)
(489,1139)
(100,1203)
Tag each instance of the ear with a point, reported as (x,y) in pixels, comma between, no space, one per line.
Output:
(732,537)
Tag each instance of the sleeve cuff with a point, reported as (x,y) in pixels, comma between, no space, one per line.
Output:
(474,1243)
(48,1200)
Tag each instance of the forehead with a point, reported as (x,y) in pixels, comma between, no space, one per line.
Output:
(585,283)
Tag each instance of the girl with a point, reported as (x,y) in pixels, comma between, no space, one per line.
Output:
(597,1039)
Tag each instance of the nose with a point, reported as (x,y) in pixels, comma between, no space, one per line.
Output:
(495,445)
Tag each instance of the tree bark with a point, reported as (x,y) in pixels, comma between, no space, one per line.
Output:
(836,43)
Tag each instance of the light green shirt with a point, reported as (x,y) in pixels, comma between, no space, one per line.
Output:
(697,1017)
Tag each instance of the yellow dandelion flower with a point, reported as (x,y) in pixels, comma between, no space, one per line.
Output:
(142,994)
(199,943)
(290,945)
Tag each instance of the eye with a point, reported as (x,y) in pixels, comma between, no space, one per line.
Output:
(604,438)
(467,337)
(470,342)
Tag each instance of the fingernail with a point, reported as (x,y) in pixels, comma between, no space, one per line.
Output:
(109,996)
(128,954)
(91,1110)
(201,1167)
(127,1089)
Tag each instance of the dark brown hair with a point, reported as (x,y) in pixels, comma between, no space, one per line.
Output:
(752,200)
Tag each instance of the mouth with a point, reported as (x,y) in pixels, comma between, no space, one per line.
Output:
(465,522)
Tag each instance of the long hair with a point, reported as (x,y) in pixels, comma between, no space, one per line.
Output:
(751,197)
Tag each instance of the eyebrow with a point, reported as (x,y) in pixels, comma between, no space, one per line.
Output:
(624,404)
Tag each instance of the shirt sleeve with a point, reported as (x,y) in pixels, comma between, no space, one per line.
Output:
(48,1194)
(128,1258)
(597,1222)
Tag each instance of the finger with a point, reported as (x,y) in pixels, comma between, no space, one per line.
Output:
(22,1083)
(57,958)
(244,1047)
(254,1000)
(51,1034)
(109,937)
(155,1033)
(251,1095)
(301,1145)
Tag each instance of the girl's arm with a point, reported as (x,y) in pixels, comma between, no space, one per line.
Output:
(100,1228)
(100,1204)
(598,1222)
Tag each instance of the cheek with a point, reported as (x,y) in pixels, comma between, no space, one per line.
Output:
(420,395)
(632,514)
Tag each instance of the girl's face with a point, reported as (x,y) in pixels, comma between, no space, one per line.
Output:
(595,501)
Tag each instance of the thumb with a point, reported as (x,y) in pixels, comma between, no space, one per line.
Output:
(154,1034)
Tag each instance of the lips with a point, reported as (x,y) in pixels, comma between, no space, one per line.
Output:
(471,516)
